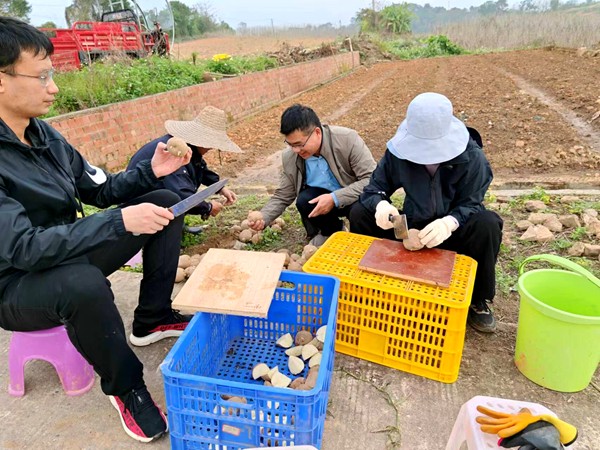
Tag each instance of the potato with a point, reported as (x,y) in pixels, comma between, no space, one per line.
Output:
(254,216)
(413,243)
(260,370)
(294,266)
(177,147)
(189,271)
(297,382)
(180,276)
(245,236)
(285,341)
(308,251)
(308,351)
(303,337)
(295,365)
(184,262)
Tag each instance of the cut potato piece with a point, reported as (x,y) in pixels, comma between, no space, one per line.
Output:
(308,351)
(260,370)
(280,380)
(296,365)
(317,343)
(285,341)
(321,332)
(272,373)
(315,360)
(294,351)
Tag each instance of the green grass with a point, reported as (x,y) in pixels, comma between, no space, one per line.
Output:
(271,240)
(414,48)
(578,234)
(124,79)
(561,244)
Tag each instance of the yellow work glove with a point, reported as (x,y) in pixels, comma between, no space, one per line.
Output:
(506,425)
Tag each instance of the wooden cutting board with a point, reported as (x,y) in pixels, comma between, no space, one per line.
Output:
(429,265)
(234,282)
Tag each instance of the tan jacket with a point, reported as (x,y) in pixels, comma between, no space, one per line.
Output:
(349,159)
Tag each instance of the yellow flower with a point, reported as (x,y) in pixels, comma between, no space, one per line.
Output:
(221,57)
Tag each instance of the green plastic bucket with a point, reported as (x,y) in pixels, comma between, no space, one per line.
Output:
(558,336)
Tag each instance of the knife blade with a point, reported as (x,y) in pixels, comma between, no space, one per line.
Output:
(195,199)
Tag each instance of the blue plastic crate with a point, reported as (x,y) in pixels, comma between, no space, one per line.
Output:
(214,357)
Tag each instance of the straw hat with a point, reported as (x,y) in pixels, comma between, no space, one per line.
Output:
(207,130)
(430,134)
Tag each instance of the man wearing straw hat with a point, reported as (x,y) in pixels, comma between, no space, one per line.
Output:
(206,131)
(440,164)
(324,170)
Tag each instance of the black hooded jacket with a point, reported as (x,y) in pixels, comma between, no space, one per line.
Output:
(186,180)
(41,191)
(457,188)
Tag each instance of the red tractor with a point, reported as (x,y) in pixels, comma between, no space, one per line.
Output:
(118,33)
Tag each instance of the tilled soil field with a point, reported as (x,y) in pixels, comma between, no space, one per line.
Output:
(241,45)
(537,111)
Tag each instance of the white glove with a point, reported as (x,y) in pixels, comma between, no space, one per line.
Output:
(382,214)
(438,231)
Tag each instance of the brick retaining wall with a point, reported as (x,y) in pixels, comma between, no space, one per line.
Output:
(108,135)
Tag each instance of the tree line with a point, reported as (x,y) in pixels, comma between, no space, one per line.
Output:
(401,18)
(189,21)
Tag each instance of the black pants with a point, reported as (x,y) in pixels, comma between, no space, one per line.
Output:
(479,238)
(326,224)
(77,294)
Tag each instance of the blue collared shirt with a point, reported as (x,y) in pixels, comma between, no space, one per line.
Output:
(318,174)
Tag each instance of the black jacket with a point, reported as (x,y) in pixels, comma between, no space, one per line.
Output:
(186,180)
(41,191)
(457,188)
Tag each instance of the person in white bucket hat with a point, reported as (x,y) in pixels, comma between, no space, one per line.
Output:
(439,163)
(208,130)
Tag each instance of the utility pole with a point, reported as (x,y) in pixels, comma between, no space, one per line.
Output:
(272,27)
(374,14)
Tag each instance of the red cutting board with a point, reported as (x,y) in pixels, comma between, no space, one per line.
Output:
(429,265)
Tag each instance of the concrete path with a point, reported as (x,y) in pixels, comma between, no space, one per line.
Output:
(371,407)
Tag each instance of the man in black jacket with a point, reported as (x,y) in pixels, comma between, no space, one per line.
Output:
(206,131)
(439,163)
(54,260)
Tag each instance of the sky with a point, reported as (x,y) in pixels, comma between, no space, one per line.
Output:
(255,12)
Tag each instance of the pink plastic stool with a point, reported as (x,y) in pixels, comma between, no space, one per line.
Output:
(53,346)
(135,260)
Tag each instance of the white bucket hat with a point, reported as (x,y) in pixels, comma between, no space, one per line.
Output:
(208,130)
(430,134)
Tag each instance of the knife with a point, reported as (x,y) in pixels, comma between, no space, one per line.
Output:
(195,199)
(400,226)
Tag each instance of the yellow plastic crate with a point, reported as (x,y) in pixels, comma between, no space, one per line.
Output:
(406,325)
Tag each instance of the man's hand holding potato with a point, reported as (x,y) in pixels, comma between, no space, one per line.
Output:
(170,157)
(256,220)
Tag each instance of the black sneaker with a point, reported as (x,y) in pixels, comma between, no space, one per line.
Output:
(481,318)
(140,417)
(173,326)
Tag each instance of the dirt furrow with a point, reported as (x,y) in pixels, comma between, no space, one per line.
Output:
(523,118)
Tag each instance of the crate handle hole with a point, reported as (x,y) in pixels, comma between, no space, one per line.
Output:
(287,285)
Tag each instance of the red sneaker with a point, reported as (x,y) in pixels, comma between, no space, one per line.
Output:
(173,326)
(140,417)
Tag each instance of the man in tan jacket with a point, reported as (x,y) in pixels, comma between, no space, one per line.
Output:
(325,169)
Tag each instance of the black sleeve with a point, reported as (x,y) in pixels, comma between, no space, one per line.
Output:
(472,188)
(100,189)
(385,180)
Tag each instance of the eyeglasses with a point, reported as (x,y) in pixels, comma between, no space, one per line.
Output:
(299,146)
(44,77)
